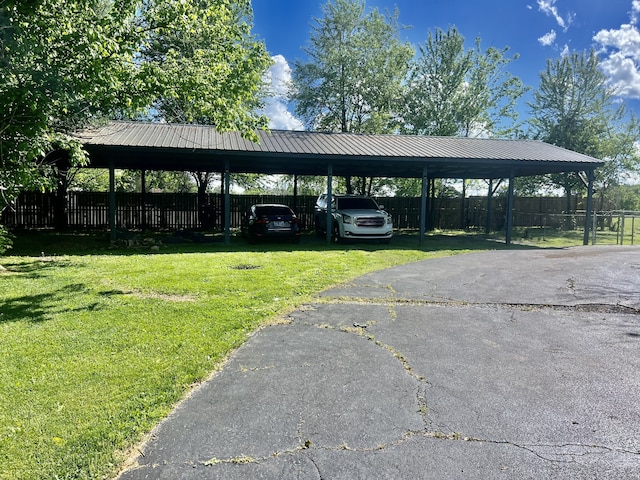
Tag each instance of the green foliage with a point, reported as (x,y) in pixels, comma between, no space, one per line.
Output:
(208,65)
(5,240)
(626,197)
(68,63)
(574,108)
(532,186)
(353,81)
(62,66)
(456,92)
(97,180)
(155,180)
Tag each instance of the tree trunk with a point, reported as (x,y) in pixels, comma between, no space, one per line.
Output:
(222,197)
(61,169)
(349,185)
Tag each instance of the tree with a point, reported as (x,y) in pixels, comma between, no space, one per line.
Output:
(67,63)
(353,81)
(58,61)
(456,92)
(209,66)
(214,66)
(452,91)
(574,108)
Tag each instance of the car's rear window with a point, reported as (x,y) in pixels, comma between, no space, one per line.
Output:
(273,211)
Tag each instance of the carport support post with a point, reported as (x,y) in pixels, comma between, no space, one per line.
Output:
(227,202)
(329,194)
(509,212)
(423,204)
(487,227)
(295,193)
(588,212)
(143,200)
(112,202)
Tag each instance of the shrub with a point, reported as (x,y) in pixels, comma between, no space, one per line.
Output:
(5,240)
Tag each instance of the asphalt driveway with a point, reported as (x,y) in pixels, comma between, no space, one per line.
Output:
(517,364)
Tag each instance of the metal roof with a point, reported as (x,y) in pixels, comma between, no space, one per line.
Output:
(161,146)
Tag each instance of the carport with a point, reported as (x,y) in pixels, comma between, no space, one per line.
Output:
(162,146)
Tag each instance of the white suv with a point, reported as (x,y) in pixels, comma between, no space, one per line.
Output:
(353,216)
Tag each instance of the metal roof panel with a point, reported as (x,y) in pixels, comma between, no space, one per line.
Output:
(202,147)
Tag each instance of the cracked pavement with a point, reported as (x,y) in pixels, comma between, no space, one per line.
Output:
(504,364)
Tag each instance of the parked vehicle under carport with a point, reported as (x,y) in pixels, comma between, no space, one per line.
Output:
(273,221)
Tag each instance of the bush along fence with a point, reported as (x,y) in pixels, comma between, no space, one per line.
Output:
(180,211)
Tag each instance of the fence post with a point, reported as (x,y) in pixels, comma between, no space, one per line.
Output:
(227,202)
(589,206)
(329,219)
(112,202)
(509,218)
(423,204)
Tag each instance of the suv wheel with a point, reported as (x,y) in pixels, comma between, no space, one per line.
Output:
(336,238)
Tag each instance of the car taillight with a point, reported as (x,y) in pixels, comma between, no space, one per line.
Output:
(263,220)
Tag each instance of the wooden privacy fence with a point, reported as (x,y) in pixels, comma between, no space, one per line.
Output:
(177,211)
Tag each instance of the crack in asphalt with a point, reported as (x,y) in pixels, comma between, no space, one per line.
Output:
(564,453)
(555,453)
(582,307)
(560,453)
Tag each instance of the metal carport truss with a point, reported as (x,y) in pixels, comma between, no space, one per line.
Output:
(163,146)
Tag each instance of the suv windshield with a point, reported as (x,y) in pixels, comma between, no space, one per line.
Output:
(356,204)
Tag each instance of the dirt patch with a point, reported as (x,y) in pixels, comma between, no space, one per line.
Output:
(163,296)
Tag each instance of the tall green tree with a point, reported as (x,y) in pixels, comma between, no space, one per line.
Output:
(452,91)
(59,60)
(573,107)
(355,73)
(209,65)
(67,63)
(214,65)
(455,91)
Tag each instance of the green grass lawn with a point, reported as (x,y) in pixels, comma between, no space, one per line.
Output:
(97,345)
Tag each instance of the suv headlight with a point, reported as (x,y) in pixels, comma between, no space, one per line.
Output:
(389,221)
(346,218)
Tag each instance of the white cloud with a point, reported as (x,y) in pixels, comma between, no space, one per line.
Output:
(565,51)
(620,50)
(635,11)
(626,39)
(276,108)
(548,38)
(548,7)
(623,75)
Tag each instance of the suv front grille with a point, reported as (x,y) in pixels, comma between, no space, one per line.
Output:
(369,221)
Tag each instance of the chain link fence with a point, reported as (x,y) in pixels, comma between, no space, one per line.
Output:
(617,227)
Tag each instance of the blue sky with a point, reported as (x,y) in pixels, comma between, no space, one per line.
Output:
(535,29)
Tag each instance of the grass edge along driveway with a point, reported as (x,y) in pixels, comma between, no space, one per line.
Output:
(96,349)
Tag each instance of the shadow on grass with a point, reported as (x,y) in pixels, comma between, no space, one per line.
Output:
(35,244)
(38,308)
(35,268)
